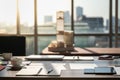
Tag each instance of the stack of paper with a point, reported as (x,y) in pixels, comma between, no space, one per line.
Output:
(29,70)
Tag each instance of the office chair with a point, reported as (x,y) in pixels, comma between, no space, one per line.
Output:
(13,44)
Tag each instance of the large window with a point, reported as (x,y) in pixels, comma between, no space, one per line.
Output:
(93,21)
(91,18)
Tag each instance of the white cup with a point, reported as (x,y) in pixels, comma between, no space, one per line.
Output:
(7,56)
(16,62)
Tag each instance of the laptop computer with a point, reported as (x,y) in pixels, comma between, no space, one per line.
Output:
(44,57)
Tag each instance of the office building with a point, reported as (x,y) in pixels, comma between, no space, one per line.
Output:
(79,13)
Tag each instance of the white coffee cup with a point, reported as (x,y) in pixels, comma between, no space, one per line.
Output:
(7,56)
(16,62)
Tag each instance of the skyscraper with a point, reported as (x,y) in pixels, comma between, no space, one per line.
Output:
(79,13)
(67,17)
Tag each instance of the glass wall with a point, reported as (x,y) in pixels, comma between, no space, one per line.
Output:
(91,19)
(44,41)
(91,41)
(30,45)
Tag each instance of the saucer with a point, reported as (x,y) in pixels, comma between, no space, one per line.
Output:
(15,68)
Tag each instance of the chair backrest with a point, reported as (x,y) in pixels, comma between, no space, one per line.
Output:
(13,44)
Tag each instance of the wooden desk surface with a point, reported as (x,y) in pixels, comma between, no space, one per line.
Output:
(86,52)
(75,71)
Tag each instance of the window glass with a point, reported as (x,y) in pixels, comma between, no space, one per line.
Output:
(47,15)
(113,15)
(91,41)
(7,16)
(44,41)
(91,16)
(29,45)
(26,11)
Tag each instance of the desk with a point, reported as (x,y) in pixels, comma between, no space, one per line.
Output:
(74,73)
(85,52)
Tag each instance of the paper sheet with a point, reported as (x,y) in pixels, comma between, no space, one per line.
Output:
(117,69)
(29,70)
(55,70)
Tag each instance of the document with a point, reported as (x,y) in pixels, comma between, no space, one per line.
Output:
(117,69)
(29,71)
(55,70)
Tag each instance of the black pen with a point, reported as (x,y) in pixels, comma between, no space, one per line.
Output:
(49,71)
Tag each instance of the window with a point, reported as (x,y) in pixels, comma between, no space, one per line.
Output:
(90,16)
(47,15)
(26,16)
(46,20)
(93,21)
(7,16)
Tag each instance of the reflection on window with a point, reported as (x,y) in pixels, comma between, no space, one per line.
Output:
(47,15)
(91,41)
(7,16)
(26,9)
(91,16)
(29,45)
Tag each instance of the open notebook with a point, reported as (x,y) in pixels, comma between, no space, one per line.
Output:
(55,71)
(44,57)
(29,71)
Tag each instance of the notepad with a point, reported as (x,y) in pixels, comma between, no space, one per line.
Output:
(29,71)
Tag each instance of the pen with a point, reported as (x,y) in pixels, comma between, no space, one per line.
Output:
(49,71)
(39,71)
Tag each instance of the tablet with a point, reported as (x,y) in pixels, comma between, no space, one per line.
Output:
(89,71)
(100,70)
(104,70)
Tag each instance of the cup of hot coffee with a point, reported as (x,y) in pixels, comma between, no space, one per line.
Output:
(7,56)
(16,62)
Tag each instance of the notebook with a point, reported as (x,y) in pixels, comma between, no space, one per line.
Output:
(44,57)
(51,71)
(29,71)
